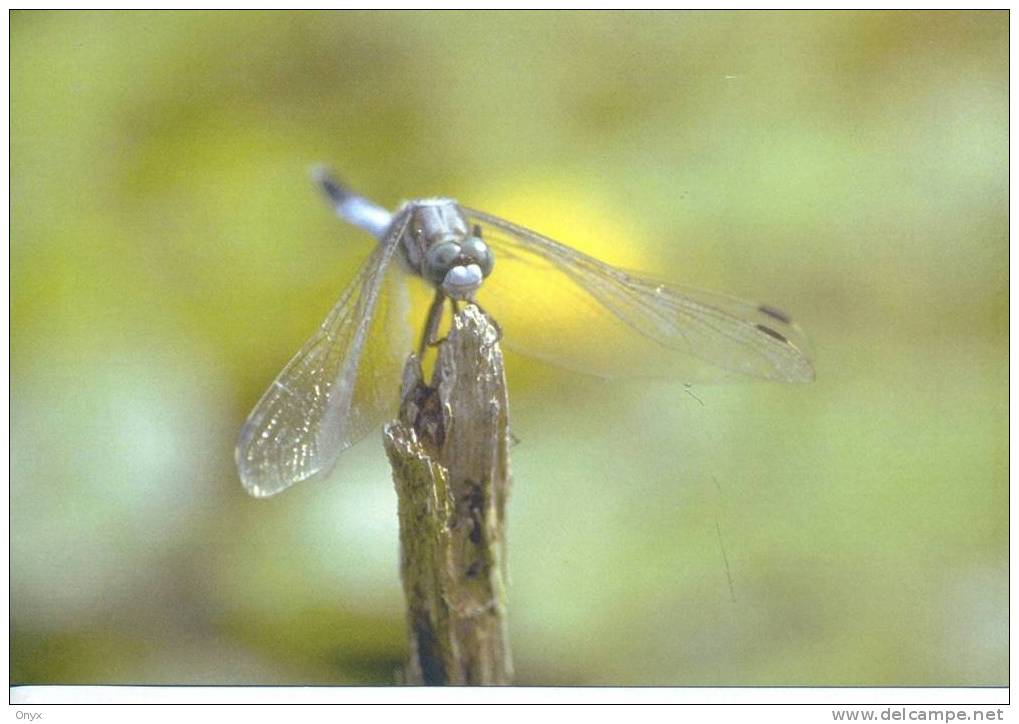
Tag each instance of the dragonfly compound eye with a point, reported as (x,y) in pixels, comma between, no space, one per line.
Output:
(439,259)
(477,251)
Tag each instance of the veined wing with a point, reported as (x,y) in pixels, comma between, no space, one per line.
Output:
(592,317)
(341,385)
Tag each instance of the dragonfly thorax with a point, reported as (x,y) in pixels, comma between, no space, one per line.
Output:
(440,248)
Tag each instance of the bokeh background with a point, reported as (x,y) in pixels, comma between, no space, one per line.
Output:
(169,254)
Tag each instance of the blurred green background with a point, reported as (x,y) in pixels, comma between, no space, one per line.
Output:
(169,254)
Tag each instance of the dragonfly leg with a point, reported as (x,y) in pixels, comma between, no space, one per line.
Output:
(428,338)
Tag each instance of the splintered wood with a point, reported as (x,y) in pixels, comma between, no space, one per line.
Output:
(449,454)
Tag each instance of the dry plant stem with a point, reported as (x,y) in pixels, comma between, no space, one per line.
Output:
(449,457)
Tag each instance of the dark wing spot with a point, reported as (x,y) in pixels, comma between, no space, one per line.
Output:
(774,313)
(772,333)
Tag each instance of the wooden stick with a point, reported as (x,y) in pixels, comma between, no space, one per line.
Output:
(448,451)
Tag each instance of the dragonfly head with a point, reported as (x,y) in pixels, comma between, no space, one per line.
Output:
(458,266)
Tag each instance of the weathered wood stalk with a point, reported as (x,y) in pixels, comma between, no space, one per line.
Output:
(449,454)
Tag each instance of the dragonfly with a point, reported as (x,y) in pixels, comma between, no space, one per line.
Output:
(547,299)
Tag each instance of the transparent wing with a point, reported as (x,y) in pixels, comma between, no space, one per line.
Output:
(341,385)
(571,310)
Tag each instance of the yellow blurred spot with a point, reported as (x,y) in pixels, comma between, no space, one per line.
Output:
(546,312)
(571,211)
